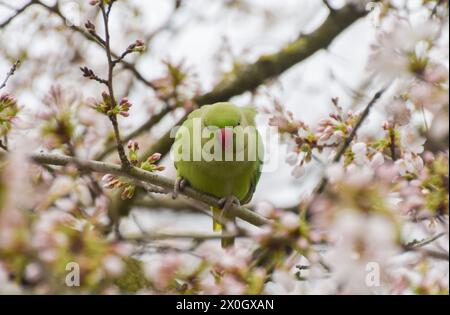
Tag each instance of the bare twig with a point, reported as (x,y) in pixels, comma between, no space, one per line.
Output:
(434,11)
(392,143)
(194,236)
(109,82)
(156,118)
(150,236)
(129,66)
(418,244)
(17,13)
(436,254)
(152,188)
(10,74)
(172,204)
(88,73)
(3,145)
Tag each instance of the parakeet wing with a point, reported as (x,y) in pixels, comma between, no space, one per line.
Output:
(257,171)
(187,123)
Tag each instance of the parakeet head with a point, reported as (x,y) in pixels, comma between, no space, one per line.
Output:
(223,115)
(226,116)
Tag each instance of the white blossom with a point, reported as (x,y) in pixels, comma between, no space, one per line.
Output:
(298,171)
(114,265)
(377,160)
(360,153)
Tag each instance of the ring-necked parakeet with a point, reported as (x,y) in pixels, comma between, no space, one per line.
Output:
(225,162)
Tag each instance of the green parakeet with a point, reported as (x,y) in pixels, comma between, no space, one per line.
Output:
(219,151)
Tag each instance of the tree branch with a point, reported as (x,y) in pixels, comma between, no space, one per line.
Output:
(172,204)
(139,174)
(417,244)
(168,236)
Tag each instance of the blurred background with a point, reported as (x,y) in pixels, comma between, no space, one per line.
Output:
(205,41)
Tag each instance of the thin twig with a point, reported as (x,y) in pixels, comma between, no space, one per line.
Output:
(89,73)
(195,236)
(147,236)
(129,66)
(172,204)
(113,117)
(3,146)
(436,254)
(434,11)
(152,188)
(392,143)
(417,244)
(10,74)
(17,13)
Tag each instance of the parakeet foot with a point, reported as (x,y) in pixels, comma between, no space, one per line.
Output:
(226,203)
(180,184)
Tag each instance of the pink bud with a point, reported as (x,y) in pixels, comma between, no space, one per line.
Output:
(133,145)
(154,157)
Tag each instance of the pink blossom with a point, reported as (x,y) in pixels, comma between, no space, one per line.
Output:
(398,112)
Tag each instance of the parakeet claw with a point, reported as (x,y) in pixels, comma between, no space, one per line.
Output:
(226,203)
(180,184)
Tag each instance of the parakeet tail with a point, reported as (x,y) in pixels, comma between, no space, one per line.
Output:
(217,226)
(216,223)
(226,241)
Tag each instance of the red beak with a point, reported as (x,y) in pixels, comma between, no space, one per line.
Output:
(226,137)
